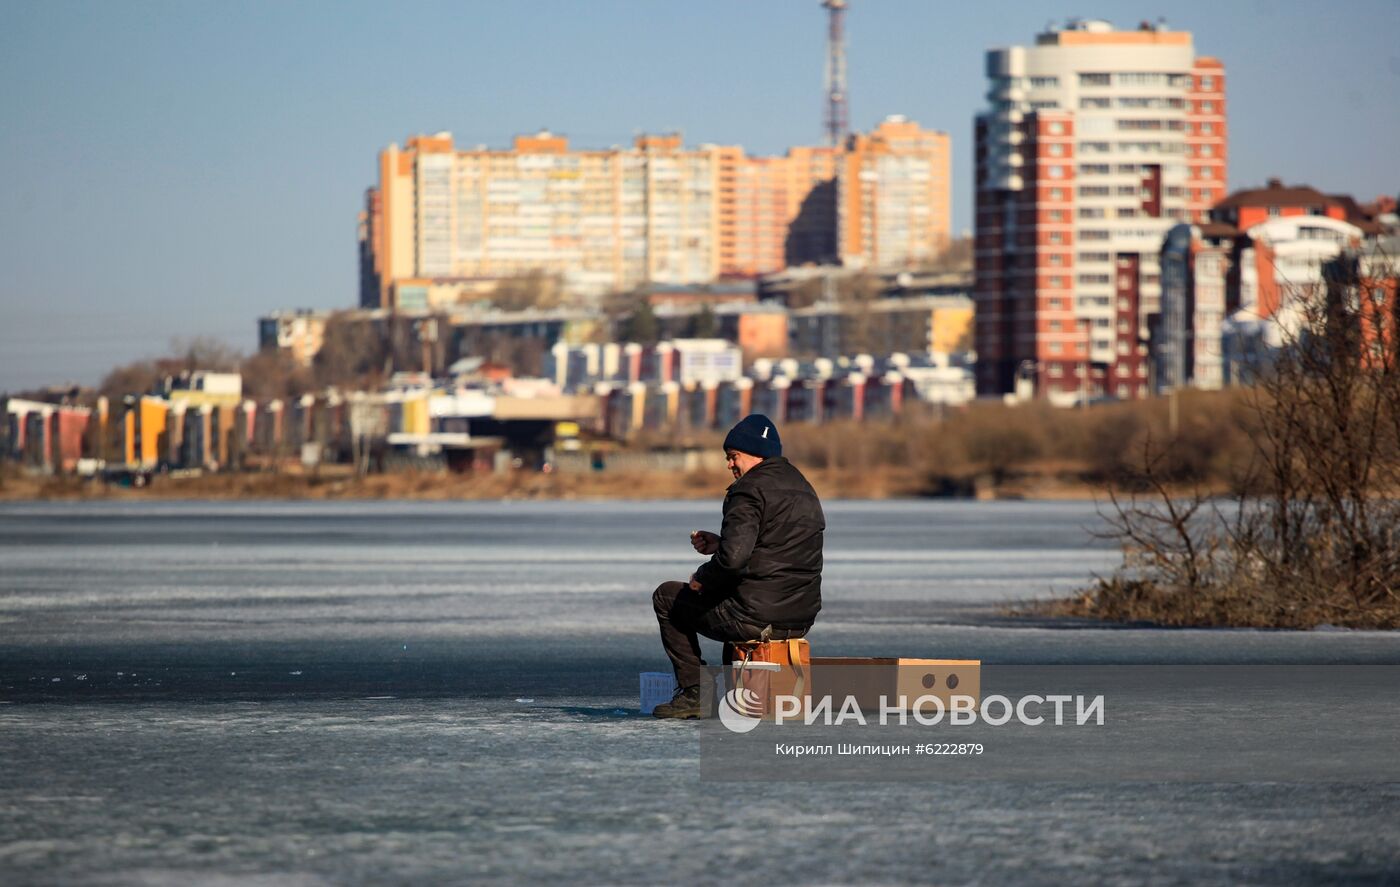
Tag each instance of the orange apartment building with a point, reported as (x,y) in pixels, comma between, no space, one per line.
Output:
(892,196)
(443,222)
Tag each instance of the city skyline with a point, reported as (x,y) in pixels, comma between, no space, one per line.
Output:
(160,153)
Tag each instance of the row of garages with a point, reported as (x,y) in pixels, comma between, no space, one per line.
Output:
(669,406)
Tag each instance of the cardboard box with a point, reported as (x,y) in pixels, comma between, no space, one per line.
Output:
(867,679)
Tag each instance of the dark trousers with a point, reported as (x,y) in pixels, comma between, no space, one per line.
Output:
(684,614)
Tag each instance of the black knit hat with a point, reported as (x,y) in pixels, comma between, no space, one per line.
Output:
(756,435)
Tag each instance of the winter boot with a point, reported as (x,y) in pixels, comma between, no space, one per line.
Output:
(686,704)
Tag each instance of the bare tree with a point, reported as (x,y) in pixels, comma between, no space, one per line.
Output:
(956,256)
(274,374)
(534,289)
(206,353)
(352,352)
(1312,533)
(137,377)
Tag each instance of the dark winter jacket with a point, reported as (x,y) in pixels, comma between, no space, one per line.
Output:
(770,549)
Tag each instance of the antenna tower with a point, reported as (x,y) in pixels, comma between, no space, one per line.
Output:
(836,126)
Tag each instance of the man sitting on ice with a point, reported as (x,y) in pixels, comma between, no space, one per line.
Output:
(765,569)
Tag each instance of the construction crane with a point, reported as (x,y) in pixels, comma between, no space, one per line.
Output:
(836,111)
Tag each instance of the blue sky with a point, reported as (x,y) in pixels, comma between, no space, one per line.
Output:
(175,169)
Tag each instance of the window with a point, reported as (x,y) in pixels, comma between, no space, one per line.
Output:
(1054,326)
(1091,212)
(1207,128)
(1093,190)
(1055,128)
(1044,105)
(1127,212)
(1093,169)
(1093,235)
(1057,172)
(1093,279)
(1093,257)
(1207,83)
(1207,107)
(1057,150)
(1044,82)
(1140,78)
(1057,194)
(1207,150)
(1056,347)
(1093,103)
(1095,80)
(1056,259)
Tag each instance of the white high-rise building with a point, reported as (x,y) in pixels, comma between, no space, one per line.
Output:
(1095,143)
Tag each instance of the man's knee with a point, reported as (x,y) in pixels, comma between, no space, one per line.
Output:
(664,598)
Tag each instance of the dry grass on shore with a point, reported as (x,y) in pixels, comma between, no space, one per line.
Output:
(883,482)
(1238,605)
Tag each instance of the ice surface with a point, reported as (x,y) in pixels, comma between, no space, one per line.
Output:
(328,693)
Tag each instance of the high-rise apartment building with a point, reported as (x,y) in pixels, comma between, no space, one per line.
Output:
(893,196)
(1095,144)
(594,218)
(442,220)
(1186,337)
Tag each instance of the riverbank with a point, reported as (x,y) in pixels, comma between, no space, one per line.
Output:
(879,483)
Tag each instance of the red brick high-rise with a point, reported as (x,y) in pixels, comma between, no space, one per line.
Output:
(1095,144)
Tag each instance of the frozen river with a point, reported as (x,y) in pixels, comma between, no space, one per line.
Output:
(316,693)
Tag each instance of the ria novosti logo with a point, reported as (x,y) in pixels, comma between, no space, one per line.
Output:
(741,710)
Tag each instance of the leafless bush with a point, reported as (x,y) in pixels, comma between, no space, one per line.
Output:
(997,441)
(1312,533)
